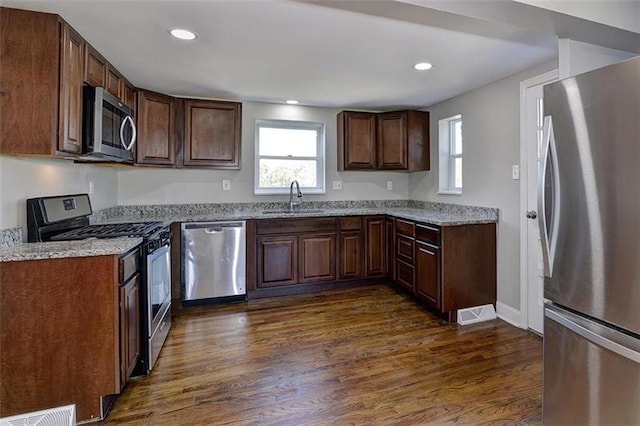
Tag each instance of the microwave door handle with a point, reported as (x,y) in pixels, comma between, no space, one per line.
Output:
(133,133)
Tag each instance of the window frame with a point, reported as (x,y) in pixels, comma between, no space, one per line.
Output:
(320,158)
(448,155)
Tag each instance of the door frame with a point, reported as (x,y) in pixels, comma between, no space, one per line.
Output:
(547,77)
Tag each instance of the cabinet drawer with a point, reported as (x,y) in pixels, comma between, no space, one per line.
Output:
(405,227)
(290,226)
(350,223)
(404,248)
(129,265)
(428,233)
(404,275)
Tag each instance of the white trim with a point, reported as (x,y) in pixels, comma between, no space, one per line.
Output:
(524,291)
(450,192)
(511,315)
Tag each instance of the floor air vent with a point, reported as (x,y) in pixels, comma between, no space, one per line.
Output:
(476,314)
(61,416)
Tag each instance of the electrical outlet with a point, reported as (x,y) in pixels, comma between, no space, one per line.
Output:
(226,185)
(337,185)
(390,185)
(515,172)
(91,187)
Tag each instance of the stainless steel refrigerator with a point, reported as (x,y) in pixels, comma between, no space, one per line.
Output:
(589,212)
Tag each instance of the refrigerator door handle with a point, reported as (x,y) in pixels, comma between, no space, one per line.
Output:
(548,165)
(612,342)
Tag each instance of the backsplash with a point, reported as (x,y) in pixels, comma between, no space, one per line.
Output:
(10,237)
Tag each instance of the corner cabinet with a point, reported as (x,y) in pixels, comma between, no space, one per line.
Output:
(212,134)
(356,141)
(383,141)
(175,132)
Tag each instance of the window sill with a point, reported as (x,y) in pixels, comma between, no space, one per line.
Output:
(285,191)
(450,192)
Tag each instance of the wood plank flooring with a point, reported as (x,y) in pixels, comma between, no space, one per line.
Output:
(366,356)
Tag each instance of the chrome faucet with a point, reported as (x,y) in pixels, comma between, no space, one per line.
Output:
(292,204)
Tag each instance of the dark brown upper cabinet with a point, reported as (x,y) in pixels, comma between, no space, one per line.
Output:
(156,143)
(384,141)
(40,84)
(356,140)
(212,134)
(95,67)
(71,79)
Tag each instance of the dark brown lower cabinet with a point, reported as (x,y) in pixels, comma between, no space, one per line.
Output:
(351,265)
(405,274)
(390,229)
(277,260)
(375,251)
(129,327)
(427,283)
(317,257)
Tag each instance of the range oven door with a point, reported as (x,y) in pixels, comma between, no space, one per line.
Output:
(158,300)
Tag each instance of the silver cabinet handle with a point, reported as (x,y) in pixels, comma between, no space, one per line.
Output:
(133,136)
(580,327)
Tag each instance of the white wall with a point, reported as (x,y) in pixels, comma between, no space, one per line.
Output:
(575,57)
(491,145)
(168,186)
(22,178)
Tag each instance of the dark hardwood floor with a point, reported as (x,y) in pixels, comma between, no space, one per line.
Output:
(363,356)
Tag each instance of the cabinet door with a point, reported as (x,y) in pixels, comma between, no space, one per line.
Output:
(212,134)
(390,252)
(113,82)
(317,257)
(129,327)
(156,120)
(71,81)
(277,260)
(351,255)
(95,67)
(375,239)
(427,283)
(128,92)
(356,141)
(392,141)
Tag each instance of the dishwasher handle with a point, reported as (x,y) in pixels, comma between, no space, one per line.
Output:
(212,227)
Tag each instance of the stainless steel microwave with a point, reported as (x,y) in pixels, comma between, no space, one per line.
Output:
(108,132)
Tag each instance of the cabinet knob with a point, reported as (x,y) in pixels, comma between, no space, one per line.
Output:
(531,214)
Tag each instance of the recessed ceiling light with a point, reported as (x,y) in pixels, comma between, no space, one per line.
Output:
(422,66)
(292,102)
(182,34)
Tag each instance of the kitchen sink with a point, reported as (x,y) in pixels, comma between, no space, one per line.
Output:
(287,211)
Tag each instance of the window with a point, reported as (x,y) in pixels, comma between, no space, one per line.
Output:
(287,151)
(450,166)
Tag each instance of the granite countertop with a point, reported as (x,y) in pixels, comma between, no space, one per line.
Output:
(433,213)
(441,214)
(62,249)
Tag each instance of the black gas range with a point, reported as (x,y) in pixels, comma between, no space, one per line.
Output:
(66,218)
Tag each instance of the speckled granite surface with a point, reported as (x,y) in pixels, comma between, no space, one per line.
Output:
(10,237)
(440,214)
(57,250)
(435,213)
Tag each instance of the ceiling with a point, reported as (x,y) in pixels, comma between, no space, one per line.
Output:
(342,54)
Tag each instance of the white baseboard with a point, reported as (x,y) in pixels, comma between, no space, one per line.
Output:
(509,314)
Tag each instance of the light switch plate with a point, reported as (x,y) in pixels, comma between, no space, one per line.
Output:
(226,185)
(337,185)
(390,185)
(515,172)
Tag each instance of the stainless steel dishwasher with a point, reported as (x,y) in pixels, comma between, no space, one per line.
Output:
(213,262)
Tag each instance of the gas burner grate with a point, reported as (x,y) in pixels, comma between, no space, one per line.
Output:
(112,230)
